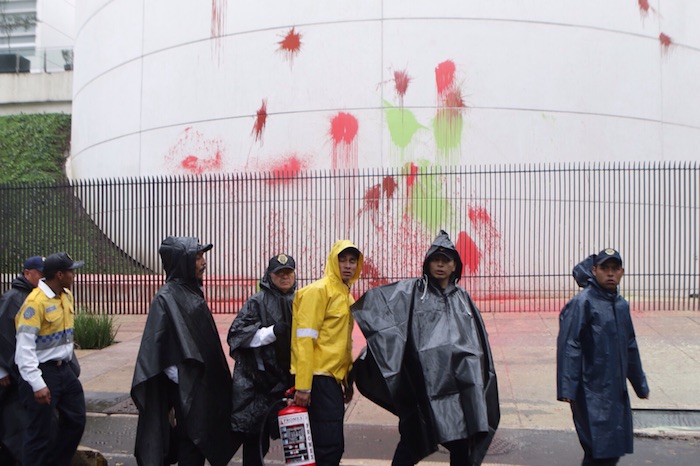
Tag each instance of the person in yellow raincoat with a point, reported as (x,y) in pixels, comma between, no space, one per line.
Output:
(322,349)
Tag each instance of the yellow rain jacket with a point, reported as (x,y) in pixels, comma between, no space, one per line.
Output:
(322,324)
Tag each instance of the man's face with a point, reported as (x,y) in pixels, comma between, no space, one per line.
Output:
(348,266)
(65,278)
(283,279)
(33,276)
(608,274)
(441,267)
(200,265)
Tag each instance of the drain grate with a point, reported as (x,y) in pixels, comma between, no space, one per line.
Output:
(501,446)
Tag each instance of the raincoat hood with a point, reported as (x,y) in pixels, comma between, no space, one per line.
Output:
(583,271)
(333,266)
(443,244)
(179,255)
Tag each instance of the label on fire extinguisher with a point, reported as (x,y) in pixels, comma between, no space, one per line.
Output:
(295,434)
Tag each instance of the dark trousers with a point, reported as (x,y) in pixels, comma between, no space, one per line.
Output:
(251,448)
(326,414)
(588,460)
(460,453)
(49,441)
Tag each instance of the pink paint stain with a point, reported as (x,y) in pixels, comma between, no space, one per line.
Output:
(469,252)
(290,46)
(260,120)
(666,42)
(289,167)
(343,131)
(401,81)
(195,154)
(195,165)
(444,76)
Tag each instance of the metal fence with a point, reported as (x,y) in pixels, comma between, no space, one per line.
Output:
(519,229)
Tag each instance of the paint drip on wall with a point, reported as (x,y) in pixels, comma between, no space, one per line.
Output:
(343,131)
(290,45)
(260,120)
(666,43)
(218,25)
(402,124)
(195,154)
(401,81)
(448,122)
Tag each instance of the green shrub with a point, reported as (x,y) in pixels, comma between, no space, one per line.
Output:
(94,331)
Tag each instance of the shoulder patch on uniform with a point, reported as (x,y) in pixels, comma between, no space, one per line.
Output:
(29,313)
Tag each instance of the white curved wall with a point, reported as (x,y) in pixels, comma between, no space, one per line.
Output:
(155,93)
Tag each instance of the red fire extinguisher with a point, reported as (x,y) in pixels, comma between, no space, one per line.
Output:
(295,434)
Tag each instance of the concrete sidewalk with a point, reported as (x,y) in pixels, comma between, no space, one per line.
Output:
(524,347)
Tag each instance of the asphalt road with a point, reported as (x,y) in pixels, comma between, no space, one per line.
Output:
(113,435)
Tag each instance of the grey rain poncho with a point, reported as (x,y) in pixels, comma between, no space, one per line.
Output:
(428,361)
(596,354)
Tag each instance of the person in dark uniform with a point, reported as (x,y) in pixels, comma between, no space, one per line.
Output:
(259,339)
(48,382)
(12,416)
(597,353)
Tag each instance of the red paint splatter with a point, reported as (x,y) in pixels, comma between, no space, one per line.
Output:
(479,215)
(666,42)
(260,120)
(372,196)
(411,177)
(289,167)
(195,154)
(401,80)
(389,185)
(218,25)
(469,252)
(291,44)
(343,128)
(372,275)
(195,165)
(444,76)
(343,131)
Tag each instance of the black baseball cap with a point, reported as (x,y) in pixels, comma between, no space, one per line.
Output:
(281,261)
(204,247)
(34,263)
(451,254)
(606,255)
(60,261)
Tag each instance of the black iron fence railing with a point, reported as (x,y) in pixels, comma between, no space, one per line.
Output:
(519,229)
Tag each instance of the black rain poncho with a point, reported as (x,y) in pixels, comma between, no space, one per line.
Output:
(256,389)
(428,361)
(180,331)
(596,354)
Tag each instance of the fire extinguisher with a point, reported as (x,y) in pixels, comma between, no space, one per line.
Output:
(295,434)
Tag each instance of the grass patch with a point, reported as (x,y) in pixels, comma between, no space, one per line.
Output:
(94,331)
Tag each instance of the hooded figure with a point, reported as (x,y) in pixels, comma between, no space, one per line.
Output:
(428,361)
(596,354)
(322,349)
(259,339)
(182,367)
(12,416)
